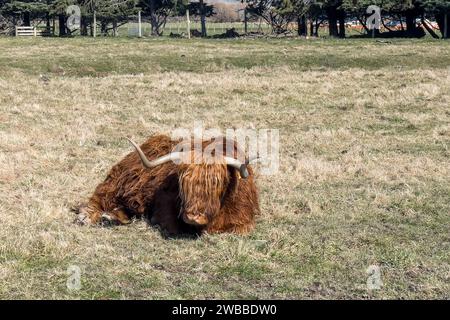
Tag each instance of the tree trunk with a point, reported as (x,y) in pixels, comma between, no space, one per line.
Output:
(103,26)
(302,26)
(115,28)
(62,25)
(47,21)
(311,27)
(153,21)
(203,17)
(411,21)
(316,28)
(332,22)
(341,24)
(83,26)
(443,26)
(446,28)
(26,19)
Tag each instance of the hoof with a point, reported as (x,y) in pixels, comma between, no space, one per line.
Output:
(82,216)
(83,219)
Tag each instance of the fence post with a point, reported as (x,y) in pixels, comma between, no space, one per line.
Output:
(245,20)
(188,24)
(139,24)
(16,32)
(34,32)
(95,25)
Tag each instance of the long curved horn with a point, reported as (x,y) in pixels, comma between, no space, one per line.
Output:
(173,156)
(242,167)
(252,158)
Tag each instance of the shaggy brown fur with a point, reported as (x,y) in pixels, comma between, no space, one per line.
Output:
(180,198)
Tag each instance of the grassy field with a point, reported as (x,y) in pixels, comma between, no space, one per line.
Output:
(364,180)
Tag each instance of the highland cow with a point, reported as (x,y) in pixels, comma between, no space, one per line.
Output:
(179,196)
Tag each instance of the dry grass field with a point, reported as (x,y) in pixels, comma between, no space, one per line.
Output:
(364,177)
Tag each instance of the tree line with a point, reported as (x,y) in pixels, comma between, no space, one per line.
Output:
(306,15)
(414,15)
(107,14)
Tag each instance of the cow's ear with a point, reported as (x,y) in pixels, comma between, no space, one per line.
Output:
(233,181)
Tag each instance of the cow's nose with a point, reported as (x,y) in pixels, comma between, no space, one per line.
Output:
(197,220)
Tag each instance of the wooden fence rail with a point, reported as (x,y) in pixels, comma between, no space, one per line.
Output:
(31,32)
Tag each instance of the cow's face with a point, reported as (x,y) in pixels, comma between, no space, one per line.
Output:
(202,188)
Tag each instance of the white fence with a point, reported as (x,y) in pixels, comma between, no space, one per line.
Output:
(31,32)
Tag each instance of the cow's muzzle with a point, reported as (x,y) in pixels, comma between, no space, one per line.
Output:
(195,219)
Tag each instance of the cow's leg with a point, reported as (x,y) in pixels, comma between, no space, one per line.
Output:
(91,214)
(166,216)
(242,229)
(237,229)
(164,212)
(221,225)
(116,216)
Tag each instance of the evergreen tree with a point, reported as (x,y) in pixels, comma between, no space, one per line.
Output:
(24,10)
(335,14)
(159,10)
(301,8)
(277,13)
(112,14)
